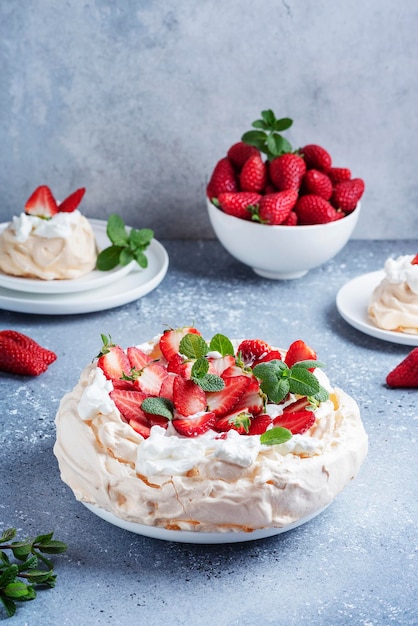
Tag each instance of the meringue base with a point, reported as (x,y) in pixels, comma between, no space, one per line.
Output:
(394,306)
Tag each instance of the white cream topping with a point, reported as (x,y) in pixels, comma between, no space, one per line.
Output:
(401,270)
(95,397)
(60,225)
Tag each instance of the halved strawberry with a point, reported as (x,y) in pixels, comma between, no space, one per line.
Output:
(415,260)
(218,366)
(237,420)
(41,203)
(150,379)
(179,365)
(137,358)
(297,422)
(167,386)
(188,397)
(298,405)
(129,404)
(236,370)
(252,399)
(114,363)
(143,428)
(223,402)
(195,425)
(299,351)
(123,384)
(252,350)
(71,203)
(270,356)
(259,424)
(170,340)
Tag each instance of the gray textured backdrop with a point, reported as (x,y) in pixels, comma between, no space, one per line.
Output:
(138,100)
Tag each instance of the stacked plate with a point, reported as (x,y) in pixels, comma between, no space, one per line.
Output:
(95,291)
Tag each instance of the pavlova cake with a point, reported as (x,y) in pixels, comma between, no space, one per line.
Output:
(48,240)
(186,434)
(394,302)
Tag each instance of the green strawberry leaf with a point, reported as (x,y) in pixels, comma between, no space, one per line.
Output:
(222,344)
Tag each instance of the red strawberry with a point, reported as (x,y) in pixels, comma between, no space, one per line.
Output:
(142,427)
(270,356)
(127,385)
(406,373)
(275,208)
(287,170)
(239,420)
(253,175)
(41,203)
(347,194)
(318,183)
(312,209)
(167,386)
(239,203)
(338,174)
(188,397)
(114,363)
(291,220)
(316,157)
(195,425)
(179,365)
(235,370)
(71,203)
(299,351)
(137,358)
(251,350)
(259,424)
(223,179)
(298,405)
(16,359)
(150,379)
(252,399)
(170,340)
(129,403)
(415,260)
(297,422)
(30,344)
(223,402)
(218,365)
(240,152)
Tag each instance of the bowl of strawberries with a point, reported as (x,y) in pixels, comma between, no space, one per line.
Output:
(281,211)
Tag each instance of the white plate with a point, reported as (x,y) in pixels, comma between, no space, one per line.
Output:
(130,287)
(352,303)
(92,280)
(188,536)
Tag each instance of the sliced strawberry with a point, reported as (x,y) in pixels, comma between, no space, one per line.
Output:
(259,424)
(41,203)
(188,397)
(415,260)
(299,351)
(298,405)
(170,340)
(71,203)
(238,420)
(236,370)
(181,366)
(223,402)
(129,404)
(167,386)
(123,384)
(157,420)
(195,425)
(270,356)
(150,379)
(252,350)
(137,358)
(114,363)
(252,399)
(297,422)
(141,427)
(218,366)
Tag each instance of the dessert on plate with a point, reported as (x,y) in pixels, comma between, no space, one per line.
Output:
(394,302)
(48,240)
(219,436)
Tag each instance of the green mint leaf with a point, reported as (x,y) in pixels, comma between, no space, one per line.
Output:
(193,346)
(283,124)
(269,117)
(141,259)
(309,364)
(255,138)
(52,547)
(141,238)
(222,344)
(275,436)
(302,381)
(200,368)
(8,535)
(276,145)
(270,368)
(9,605)
(158,406)
(209,382)
(322,395)
(8,575)
(126,256)
(261,124)
(108,258)
(116,230)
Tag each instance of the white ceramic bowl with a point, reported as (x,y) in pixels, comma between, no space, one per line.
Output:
(281,252)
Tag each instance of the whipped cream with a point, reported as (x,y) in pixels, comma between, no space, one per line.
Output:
(394,302)
(61,247)
(212,483)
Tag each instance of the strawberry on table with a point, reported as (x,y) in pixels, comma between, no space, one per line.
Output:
(15,358)
(27,343)
(286,171)
(223,179)
(239,203)
(405,374)
(41,203)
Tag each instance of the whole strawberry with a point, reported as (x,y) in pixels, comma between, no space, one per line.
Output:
(286,171)
(239,153)
(318,183)
(406,373)
(312,209)
(347,194)
(18,358)
(275,208)
(223,179)
(253,175)
(316,157)
(239,203)
(338,174)
(29,344)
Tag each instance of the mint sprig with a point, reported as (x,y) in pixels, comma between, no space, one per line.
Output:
(195,347)
(29,569)
(126,245)
(277,380)
(267,137)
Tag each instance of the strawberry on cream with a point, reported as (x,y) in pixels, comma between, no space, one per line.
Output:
(394,302)
(210,482)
